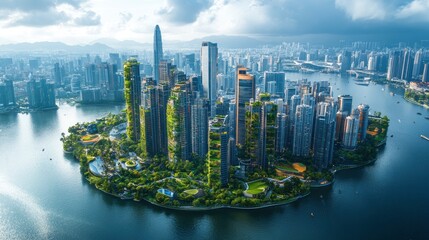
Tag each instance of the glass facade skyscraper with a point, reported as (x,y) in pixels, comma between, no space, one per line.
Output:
(209,53)
(157,53)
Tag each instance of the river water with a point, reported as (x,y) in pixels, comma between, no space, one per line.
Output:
(48,199)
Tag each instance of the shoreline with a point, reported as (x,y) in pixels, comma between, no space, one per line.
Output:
(204,209)
(416,103)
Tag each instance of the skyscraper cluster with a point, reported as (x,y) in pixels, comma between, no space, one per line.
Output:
(41,94)
(190,118)
(406,65)
(101,82)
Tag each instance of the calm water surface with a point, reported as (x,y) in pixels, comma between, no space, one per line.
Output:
(48,199)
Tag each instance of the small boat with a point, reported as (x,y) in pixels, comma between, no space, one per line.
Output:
(419,113)
(427,117)
(50,159)
(424,137)
(397,102)
(43,150)
(321,196)
(392,94)
(391,135)
(312,214)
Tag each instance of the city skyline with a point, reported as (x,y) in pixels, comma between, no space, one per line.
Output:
(86,21)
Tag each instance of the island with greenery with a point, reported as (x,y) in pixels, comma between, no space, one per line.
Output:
(417,97)
(118,166)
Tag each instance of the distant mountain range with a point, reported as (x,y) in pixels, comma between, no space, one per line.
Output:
(109,45)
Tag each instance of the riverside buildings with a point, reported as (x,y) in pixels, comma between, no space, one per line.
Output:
(7,94)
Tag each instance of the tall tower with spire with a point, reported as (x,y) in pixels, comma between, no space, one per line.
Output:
(157,53)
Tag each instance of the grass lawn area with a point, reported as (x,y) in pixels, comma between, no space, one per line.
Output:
(90,138)
(130,163)
(257,187)
(191,191)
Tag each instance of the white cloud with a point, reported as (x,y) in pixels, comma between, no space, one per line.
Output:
(87,20)
(363,9)
(417,10)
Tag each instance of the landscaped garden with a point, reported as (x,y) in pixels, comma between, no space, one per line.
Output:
(291,168)
(256,187)
(90,138)
(191,192)
(130,164)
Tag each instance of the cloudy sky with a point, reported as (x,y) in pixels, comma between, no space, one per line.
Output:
(83,21)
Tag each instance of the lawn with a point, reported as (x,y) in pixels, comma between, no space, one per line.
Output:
(257,187)
(130,163)
(89,138)
(191,191)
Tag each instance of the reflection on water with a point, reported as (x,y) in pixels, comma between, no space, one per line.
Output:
(43,121)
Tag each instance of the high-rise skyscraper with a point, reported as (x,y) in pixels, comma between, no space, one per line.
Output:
(157,53)
(58,74)
(209,56)
(394,66)
(351,131)
(200,127)
(344,110)
(282,124)
(363,121)
(7,94)
(279,79)
(154,122)
(91,74)
(219,154)
(179,125)
(345,103)
(324,133)
(425,76)
(407,65)
(244,91)
(41,95)
(164,73)
(294,102)
(269,134)
(346,62)
(303,130)
(254,145)
(132,90)
(417,67)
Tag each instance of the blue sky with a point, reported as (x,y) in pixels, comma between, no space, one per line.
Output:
(83,21)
